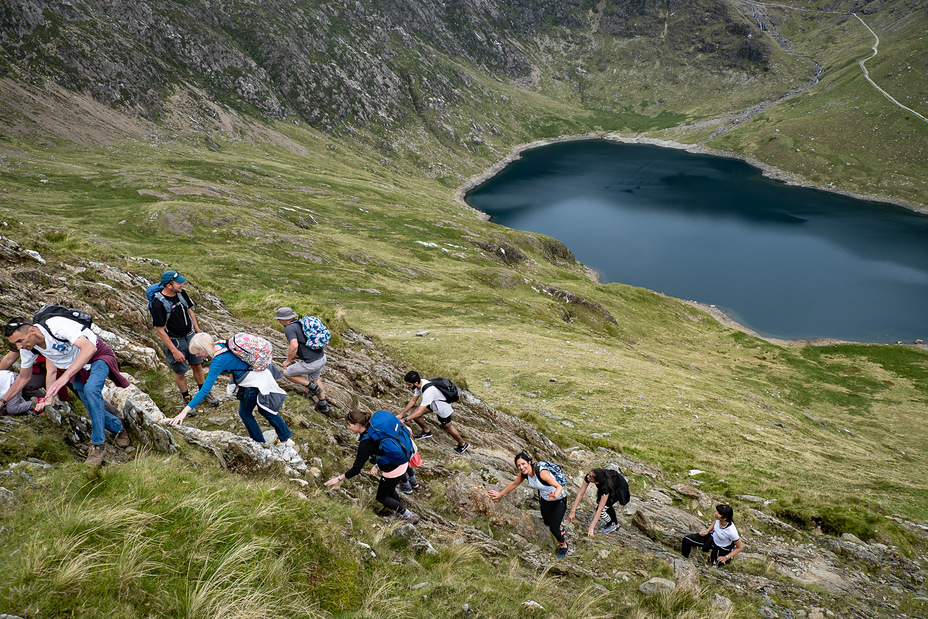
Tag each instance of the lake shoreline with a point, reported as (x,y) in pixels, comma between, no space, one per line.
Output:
(766,170)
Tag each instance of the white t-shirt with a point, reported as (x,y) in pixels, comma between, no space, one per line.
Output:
(724,537)
(6,380)
(434,399)
(59,353)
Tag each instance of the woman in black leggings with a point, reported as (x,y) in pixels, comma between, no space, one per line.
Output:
(375,444)
(551,494)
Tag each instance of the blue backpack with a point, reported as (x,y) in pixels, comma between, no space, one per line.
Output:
(392,437)
(317,336)
(153,293)
(552,468)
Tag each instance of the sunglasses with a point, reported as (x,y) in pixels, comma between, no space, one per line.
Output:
(10,327)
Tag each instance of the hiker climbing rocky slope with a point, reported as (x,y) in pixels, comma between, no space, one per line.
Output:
(784,571)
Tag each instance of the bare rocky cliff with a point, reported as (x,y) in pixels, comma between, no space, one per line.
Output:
(346,64)
(780,564)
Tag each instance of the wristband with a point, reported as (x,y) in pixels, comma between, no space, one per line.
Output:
(4,400)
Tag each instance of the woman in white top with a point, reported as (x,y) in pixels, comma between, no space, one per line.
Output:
(720,539)
(551,494)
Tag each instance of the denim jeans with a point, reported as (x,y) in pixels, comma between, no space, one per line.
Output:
(91,394)
(246,409)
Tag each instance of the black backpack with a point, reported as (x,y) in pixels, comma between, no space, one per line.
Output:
(60,311)
(446,387)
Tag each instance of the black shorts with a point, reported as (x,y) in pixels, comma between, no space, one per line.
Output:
(183,345)
(444,420)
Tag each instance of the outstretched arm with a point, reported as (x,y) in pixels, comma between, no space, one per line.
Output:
(573,509)
(496,496)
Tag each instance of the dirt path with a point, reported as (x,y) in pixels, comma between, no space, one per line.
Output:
(862,63)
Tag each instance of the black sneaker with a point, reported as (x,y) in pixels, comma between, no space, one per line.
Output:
(422,435)
(462,448)
(322,407)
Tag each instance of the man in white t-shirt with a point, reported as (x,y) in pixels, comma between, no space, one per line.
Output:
(432,399)
(85,361)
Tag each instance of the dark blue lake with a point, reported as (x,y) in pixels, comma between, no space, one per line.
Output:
(787,262)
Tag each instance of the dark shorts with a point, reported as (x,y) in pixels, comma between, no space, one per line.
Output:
(444,420)
(183,345)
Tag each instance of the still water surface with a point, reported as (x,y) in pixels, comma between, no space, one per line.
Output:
(788,262)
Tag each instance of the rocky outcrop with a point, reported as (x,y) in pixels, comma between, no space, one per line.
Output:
(338,64)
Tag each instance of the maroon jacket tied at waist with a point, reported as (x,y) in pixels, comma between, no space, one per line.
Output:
(104,353)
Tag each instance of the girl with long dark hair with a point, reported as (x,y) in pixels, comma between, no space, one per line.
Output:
(611,488)
(551,494)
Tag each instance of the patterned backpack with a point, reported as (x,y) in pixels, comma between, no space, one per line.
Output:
(317,336)
(552,468)
(252,349)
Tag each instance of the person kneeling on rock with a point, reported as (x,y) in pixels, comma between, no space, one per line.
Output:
(720,539)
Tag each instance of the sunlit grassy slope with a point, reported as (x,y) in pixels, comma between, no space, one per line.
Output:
(330,225)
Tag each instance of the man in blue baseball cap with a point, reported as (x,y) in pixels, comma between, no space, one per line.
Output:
(175,323)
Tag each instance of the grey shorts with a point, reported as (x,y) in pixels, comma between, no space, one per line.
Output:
(312,371)
(183,345)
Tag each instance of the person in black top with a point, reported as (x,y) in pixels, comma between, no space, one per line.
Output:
(175,323)
(611,488)
(369,448)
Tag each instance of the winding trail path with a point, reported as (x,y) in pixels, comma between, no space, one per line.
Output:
(862,63)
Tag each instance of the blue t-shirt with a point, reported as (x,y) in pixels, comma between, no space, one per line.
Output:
(223,362)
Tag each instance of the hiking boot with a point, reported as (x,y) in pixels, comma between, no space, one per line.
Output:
(95,455)
(187,399)
(609,528)
(422,435)
(414,484)
(287,443)
(562,551)
(405,488)
(210,400)
(122,439)
(462,448)
(322,406)
(409,516)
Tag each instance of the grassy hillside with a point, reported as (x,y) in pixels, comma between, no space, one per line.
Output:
(327,227)
(361,222)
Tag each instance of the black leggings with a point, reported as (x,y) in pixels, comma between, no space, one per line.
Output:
(552,512)
(706,544)
(386,494)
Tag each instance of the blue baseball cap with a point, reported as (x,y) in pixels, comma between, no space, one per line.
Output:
(172,276)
